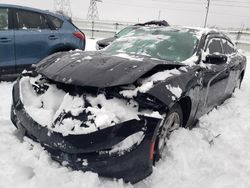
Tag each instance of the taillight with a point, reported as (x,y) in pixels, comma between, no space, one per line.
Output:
(152,149)
(79,35)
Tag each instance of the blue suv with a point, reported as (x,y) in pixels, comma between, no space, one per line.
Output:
(28,35)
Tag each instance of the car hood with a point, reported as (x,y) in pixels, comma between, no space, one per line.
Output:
(98,69)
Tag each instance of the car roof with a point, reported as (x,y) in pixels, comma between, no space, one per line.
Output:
(154,22)
(210,31)
(200,32)
(33,9)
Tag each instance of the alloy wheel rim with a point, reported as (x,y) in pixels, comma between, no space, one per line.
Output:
(171,123)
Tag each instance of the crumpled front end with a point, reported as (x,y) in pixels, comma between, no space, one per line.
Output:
(87,128)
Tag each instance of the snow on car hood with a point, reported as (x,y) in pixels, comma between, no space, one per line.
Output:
(98,69)
(61,112)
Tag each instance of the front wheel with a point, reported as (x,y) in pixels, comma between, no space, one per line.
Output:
(238,83)
(172,122)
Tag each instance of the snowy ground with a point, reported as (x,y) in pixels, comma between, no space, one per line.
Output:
(216,155)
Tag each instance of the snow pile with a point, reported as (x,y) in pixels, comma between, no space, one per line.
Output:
(58,110)
(90,44)
(87,58)
(190,61)
(177,91)
(214,155)
(112,111)
(40,107)
(148,83)
(75,54)
(129,57)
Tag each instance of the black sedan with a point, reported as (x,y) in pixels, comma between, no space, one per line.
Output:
(112,111)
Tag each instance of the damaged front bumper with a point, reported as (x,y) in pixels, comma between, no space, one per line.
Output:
(92,152)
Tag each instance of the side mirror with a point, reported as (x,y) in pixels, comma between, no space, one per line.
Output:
(216,59)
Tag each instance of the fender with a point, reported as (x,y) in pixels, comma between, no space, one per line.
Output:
(186,84)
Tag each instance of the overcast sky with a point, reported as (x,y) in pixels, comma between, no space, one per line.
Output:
(223,13)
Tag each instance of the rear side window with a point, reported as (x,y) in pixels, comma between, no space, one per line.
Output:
(228,47)
(31,20)
(3,18)
(55,21)
(214,46)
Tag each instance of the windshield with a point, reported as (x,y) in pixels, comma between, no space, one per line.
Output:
(157,42)
(125,31)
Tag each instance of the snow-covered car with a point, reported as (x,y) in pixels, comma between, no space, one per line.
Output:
(112,111)
(100,44)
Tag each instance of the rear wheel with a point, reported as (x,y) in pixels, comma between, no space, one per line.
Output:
(172,122)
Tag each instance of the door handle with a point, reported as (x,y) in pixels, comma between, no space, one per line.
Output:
(4,40)
(52,37)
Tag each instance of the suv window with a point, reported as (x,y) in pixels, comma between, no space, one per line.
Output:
(56,21)
(228,47)
(214,46)
(30,20)
(3,18)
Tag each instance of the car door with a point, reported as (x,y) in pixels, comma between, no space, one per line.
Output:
(234,65)
(7,56)
(34,38)
(215,76)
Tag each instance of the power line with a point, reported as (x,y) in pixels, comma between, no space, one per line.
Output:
(149,7)
(169,8)
(180,2)
(233,1)
(166,8)
(218,3)
(230,5)
(214,1)
(199,9)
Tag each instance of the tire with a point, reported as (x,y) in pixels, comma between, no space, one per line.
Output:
(238,83)
(172,121)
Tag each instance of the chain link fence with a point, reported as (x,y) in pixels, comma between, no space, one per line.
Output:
(105,29)
(100,29)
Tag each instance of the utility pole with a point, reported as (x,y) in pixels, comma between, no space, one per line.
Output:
(207,7)
(159,15)
(93,14)
(63,7)
(93,11)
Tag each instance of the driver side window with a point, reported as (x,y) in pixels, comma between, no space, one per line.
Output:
(214,46)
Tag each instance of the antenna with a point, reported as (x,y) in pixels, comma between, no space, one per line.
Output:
(63,7)
(93,11)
